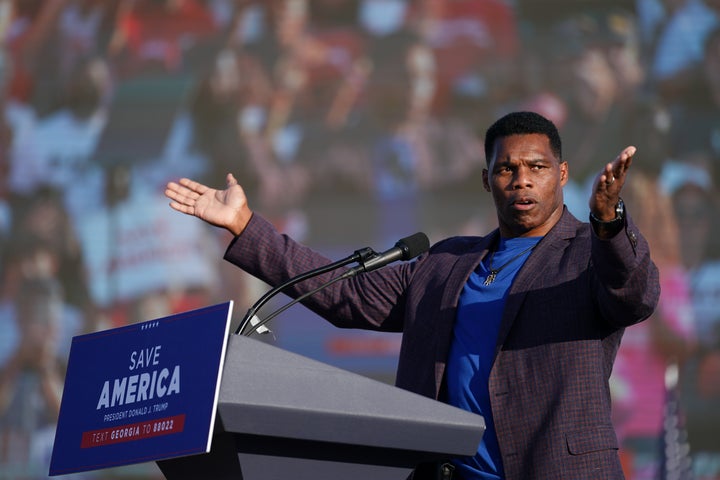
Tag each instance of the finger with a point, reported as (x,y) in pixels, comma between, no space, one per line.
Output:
(231,180)
(179,193)
(182,207)
(193,186)
(182,199)
(172,191)
(607,178)
(628,152)
(176,188)
(624,160)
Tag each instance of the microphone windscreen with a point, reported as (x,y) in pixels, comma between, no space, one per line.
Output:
(414,245)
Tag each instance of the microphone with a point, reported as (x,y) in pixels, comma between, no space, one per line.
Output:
(251,317)
(405,249)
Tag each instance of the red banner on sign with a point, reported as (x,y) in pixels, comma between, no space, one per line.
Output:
(132,432)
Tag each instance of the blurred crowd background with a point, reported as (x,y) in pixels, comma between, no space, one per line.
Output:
(350,123)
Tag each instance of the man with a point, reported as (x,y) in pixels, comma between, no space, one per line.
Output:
(521,326)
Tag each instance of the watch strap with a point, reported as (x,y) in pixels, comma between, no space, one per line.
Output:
(610,227)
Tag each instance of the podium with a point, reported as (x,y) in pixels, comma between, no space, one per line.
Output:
(281,415)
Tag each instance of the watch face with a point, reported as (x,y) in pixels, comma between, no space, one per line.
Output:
(620,209)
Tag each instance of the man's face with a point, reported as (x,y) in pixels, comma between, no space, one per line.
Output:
(526,180)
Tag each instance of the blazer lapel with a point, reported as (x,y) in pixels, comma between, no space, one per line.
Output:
(456,282)
(542,257)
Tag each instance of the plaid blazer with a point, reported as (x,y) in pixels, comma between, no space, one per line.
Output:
(565,316)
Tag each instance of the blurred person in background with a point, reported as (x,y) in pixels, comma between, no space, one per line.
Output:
(232,104)
(226,103)
(41,219)
(84,31)
(475,45)
(652,18)
(680,46)
(349,112)
(228,109)
(160,37)
(583,77)
(695,203)
(582,68)
(40,323)
(333,55)
(696,115)
(18,124)
(282,83)
(394,153)
(622,46)
(648,351)
(309,49)
(38,319)
(66,142)
(46,39)
(29,38)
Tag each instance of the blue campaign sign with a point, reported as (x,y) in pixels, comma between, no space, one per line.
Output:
(143,392)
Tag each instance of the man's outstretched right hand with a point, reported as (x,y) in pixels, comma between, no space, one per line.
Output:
(223,208)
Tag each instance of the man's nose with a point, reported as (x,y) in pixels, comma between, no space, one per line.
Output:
(522,178)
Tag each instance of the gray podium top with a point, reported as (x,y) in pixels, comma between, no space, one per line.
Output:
(288,409)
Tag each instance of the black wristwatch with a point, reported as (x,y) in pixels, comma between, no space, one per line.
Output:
(613,226)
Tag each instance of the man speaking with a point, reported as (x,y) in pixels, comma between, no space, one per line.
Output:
(520,326)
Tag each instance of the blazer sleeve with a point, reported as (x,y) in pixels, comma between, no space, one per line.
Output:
(374,300)
(627,280)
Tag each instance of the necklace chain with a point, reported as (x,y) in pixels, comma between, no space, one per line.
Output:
(494,271)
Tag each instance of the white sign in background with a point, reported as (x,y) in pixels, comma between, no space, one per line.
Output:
(142,246)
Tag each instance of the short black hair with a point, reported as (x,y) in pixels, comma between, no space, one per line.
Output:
(522,123)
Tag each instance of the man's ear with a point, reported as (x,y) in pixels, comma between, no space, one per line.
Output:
(485,180)
(564,173)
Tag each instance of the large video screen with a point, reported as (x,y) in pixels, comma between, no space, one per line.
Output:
(349,124)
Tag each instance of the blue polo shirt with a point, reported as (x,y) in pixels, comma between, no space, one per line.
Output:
(475,333)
